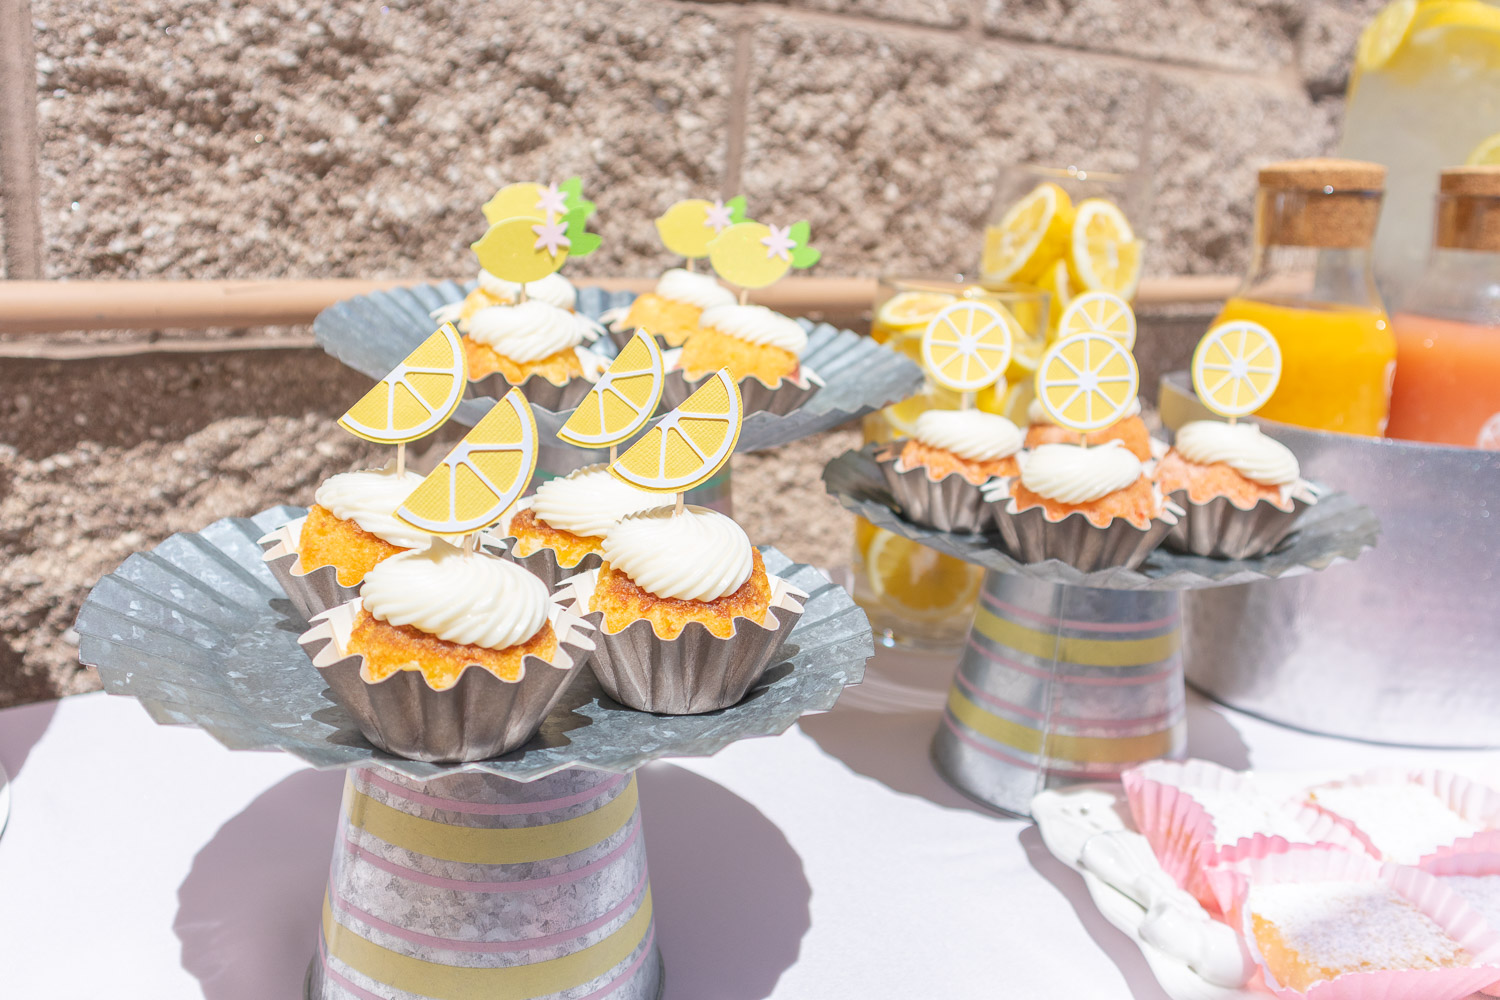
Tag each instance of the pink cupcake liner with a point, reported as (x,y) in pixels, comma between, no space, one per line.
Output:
(1476,855)
(1475,802)
(1181,831)
(1446,908)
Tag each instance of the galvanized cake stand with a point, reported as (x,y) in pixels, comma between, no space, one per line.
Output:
(519,877)
(1067,676)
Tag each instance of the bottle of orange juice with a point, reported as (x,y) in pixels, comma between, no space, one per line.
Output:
(1448,326)
(1311,284)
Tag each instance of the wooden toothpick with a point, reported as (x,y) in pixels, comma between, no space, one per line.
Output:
(678,509)
(401,459)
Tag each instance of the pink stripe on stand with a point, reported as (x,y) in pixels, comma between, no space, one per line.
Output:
(1062,720)
(493,808)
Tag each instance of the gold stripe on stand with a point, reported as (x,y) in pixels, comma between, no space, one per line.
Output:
(1077,749)
(487,845)
(1083,652)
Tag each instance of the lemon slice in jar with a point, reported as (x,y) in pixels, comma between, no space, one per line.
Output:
(1106,256)
(1029,236)
(688,445)
(416,397)
(481,477)
(914,581)
(1384,35)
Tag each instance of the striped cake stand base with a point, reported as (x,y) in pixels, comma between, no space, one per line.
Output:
(474,885)
(1061,684)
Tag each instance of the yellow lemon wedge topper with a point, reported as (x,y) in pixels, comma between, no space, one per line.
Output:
(416,397)
(1086,381)
(689,226)
(754,255)
(967,345)
(1099,312)
(481,477)
(622,400)
(688,445)
(1236,368)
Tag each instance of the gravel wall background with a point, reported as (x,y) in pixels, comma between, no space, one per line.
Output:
(229,138)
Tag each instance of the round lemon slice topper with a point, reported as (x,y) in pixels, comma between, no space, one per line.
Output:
(622,400)
(481,477)
(1087,381)
(688,445)
(1099,312)
(416,397)
(967,345)
(1236,368)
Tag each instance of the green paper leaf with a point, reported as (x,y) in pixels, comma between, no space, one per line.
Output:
(801,233)
(736,208)
(804,257)
(573,188)
(581,243)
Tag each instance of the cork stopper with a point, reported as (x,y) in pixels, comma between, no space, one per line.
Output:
(1468,215)
(1319,203)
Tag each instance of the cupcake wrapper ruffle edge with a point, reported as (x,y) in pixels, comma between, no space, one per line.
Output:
(1221,530)
(1032,537)
(948,504)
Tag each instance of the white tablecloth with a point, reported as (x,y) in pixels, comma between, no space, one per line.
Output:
(830,862)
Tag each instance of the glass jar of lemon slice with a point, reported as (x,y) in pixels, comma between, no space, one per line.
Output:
(916,597)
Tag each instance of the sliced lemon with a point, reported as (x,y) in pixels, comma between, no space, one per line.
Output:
(968,345)
(481,477)
(742,258)
(1029,237)
(1106,256)
(1384,35)
(1236,368)
(509,249)
(909,310)
(1099,312)
(1011,401)
(1056,283)
(416,397)
(1025,355)
(1087,381)
(688,445)
(915,582)
(1486,154)
(623,399)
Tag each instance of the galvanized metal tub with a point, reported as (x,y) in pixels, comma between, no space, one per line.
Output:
(1402,646)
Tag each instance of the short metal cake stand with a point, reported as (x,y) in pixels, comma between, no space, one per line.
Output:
(519,877)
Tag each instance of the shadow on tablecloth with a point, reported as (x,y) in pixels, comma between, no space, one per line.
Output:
(730,895)
(20,730)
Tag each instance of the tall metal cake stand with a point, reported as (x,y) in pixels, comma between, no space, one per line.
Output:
(519,877)
(1068,676)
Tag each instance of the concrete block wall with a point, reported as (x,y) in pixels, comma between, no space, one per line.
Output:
(230,138)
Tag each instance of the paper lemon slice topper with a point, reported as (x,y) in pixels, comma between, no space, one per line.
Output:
(481,477)
(967,345)
(1087,381)
(1099,312)
(416,397)
(688,445)
(754,255)
(1236,367)
(689,226)
(622,400)
(531,200)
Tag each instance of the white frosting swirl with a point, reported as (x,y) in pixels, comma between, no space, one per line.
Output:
(530,331)
(971,434)
(589,501)
(554,289)
(1071,474)
(701,290)
(1036,415)
(757,325)
(1240,446)
(469,598)
(370,498)
(698,555)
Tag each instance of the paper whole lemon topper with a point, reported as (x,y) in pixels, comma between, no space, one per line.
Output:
(1087,381)
(1236,368)
(1099,312)
(538,201)
(481,477)
(689,226)
(688,445)
(623,399)
(526,248)
(416,397)
(967,345)
(754,255)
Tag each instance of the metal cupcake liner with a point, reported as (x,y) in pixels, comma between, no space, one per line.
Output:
(622,335)
(311,593)
(948,504)
(480,716)
(697,671)
(1220,529)
(540,390)
(543,562)
(757,397)
(1032,535)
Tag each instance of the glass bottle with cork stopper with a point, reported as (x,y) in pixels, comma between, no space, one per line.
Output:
(1311,284)
(1448,327)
